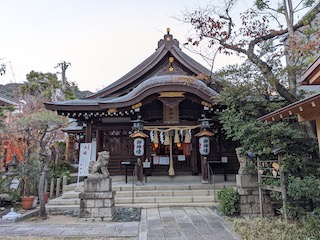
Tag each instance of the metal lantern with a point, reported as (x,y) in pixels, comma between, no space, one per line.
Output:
(137,124)
(204,122)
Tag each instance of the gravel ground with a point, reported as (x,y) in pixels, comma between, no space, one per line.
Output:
(122,214)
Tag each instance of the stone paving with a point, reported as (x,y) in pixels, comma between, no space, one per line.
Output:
(156,223)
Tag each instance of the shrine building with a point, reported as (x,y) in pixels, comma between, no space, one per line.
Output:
(164,99)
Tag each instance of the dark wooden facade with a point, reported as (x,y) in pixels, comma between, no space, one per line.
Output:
(165,93)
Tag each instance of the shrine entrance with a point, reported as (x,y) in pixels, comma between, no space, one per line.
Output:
(120,146)
(169,93)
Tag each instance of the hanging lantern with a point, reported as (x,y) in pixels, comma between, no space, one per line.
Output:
(138,146)
(138,143)
(204,145)
(156,139)
(166,138)
(187,138)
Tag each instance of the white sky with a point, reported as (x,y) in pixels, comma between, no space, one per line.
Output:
(102,39)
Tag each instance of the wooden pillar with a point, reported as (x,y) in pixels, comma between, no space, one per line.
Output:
(147,149)
(194,156)
(98,139)
(140,169)
(88,132)
(204,169)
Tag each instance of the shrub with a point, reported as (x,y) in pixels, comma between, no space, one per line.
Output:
(229,201)
(265,229)
(312,223)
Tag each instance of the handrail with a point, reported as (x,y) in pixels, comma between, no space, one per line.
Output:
(211,178)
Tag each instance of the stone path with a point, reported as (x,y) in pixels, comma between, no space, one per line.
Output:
(159,223)
(184,223)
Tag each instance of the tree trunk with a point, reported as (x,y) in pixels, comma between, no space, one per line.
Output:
(42,212)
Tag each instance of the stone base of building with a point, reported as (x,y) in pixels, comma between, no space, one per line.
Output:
(97,200)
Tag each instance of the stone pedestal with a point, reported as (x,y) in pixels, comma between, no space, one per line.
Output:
(247,185)
(97,199)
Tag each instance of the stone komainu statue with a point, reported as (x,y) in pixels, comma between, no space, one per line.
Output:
(100,167)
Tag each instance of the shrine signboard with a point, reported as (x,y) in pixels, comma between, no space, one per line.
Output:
(84,159)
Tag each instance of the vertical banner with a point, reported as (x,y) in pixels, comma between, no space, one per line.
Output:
(84,159)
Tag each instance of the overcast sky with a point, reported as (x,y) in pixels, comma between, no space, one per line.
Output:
(102,39)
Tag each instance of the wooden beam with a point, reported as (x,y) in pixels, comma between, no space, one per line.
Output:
(318,130)
(315,78)
(308,116)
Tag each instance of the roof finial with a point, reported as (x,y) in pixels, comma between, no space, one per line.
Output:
(168,31)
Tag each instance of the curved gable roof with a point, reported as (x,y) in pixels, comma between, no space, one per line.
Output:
(7,101)
(148,87)
(148,68)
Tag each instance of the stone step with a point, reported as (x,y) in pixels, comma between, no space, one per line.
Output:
(151,193)
(136,205)
(154,193)
(70,195)
(153,187)
(158,205)
(172,199)
(116,180)
(72,187)
(62,207)
(64,201)
(157,193)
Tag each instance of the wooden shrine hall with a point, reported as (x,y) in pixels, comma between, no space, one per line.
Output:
(170,104)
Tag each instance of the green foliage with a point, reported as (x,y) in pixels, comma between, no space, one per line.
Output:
(306,188)
(251,167)
(42,120)
(45,85)
(5,188)
(266,229)
(229,201)
(3,110)
(61,169)
(4,185)
(40,84)
(312,223)
(30,170)
(244,104)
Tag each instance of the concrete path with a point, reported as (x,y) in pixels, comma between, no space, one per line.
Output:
(157,223)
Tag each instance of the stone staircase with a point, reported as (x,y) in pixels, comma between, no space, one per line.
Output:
(157,192)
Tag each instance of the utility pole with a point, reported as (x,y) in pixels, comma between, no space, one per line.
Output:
(63,65)
(2,68)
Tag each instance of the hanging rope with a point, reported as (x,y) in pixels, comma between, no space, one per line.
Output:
(169,128)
